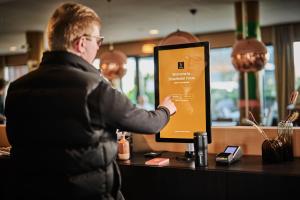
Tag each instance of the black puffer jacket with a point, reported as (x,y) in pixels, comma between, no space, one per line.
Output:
(61,123)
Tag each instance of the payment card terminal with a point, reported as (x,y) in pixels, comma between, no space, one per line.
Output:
(229,155)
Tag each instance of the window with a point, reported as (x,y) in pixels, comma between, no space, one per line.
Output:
(138,82)
(128,83)
(297,64)
(138,85)
(12,73)
(225,91)
(146,79)
(224,87)
(269,110)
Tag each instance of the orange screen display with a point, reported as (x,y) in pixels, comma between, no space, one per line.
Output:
(181,74)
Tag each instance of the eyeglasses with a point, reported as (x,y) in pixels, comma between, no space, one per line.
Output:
(99,39)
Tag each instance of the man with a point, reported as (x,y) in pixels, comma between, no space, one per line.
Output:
(62,117)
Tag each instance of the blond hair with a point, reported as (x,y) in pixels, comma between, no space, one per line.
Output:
(69,22)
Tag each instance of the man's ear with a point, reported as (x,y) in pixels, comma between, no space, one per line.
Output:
(79,45)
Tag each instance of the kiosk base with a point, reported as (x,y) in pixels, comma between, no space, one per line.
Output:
(189,154)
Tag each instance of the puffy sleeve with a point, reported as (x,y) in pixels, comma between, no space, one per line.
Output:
(117,111)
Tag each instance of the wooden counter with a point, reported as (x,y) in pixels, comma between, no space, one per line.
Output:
(247,179)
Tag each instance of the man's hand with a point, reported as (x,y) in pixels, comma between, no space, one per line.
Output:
(168,103)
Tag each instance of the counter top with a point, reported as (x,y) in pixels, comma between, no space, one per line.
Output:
(247,164)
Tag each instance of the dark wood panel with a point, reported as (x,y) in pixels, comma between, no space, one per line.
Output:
(145,183)
(257,186)
(247,179)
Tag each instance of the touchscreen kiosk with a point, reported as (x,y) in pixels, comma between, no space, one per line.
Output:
(182,72)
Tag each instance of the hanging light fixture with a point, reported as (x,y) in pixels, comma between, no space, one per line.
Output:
(180,37)
(112,64)
(249,55)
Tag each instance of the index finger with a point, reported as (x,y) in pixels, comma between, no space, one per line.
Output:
(168,98)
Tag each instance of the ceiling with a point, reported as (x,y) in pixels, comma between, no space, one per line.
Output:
(128,20)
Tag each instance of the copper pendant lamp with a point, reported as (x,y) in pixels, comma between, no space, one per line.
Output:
(249,55)
(178,37)
(112,64)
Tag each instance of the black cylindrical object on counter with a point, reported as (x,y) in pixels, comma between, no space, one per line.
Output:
(200,147)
